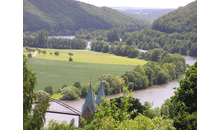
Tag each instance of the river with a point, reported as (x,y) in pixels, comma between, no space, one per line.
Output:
(156,94)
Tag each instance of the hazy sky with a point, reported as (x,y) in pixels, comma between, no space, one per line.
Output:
(139,3)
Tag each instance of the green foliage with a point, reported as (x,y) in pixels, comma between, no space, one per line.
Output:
(120,50)
(99,46)
(57,53)
(54,125)
(39,113)
(167,109)
(41,40)
(179,20)
(67,16)
(92,33)
(72,72)
(70,54)
(112,85)
(185,121)
(37,119)
(64,85)
(29,55)
(77,84)
(70,93)
(114,114)
(175,42)
(70,59)
(42,93)
(185,100)
(72,122)
(168,68)
(44,52)
(49,89)
(135,109)
(84,90)
(114,35)
(140,81)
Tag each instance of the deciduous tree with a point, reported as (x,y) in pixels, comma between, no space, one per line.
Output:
(37,118)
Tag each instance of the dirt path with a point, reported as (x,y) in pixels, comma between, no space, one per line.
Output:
(35,53)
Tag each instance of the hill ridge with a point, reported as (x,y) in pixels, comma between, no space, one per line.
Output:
(67,16)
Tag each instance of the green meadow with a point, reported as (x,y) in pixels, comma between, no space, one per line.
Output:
(88,56)
(57,70)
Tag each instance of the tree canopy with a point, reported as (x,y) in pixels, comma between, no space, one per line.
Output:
(185,101)
(179,20)
(67,16)
(37,119)
(41,40)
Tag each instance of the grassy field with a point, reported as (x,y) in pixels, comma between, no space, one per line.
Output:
(90,57)
(57,70)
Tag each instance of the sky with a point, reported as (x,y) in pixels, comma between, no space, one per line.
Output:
(139,3)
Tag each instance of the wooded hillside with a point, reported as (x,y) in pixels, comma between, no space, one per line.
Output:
(179,20)
(67,16)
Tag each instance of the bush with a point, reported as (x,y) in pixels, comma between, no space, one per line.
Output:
(54,125)
(49,89)
(130,86)
(42,93)
(70,93)
(29,55)
(64,85)
(84,90)
(70,59)
(77,84)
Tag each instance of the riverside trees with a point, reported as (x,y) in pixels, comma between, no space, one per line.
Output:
(41,40)
(120,50)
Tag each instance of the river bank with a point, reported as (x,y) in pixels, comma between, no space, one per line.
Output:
(155,93)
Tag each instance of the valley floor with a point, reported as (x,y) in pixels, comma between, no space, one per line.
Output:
(57,70)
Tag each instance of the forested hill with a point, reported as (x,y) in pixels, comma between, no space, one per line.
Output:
(64,17)
(179,20)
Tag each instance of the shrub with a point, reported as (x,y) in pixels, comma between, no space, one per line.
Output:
(49,89)
(70,59)
(29,55)
(70,93)
(84,90)
(42,93)
(77,84)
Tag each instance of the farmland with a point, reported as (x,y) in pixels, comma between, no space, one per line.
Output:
(57,70)
(89,57)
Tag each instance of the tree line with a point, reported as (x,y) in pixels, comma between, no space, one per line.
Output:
(119,50)
(147,39)
(184,43)
(141,77)
(41,40)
